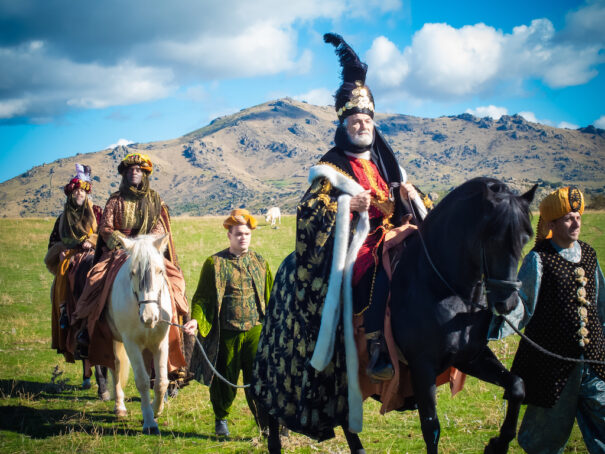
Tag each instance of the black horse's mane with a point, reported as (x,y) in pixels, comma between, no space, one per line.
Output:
(508,215)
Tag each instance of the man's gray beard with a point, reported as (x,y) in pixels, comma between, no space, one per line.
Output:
(364,140)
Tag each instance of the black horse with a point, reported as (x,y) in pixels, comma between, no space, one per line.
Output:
(469,244)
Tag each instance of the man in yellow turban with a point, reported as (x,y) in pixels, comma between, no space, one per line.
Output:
(228,308)
(563,310)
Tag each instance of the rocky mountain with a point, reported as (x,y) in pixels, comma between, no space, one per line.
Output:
(260,157)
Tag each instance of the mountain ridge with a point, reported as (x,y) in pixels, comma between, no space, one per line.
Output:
(260,157)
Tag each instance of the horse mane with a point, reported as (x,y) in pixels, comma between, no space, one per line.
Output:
(509,215)
(142,255)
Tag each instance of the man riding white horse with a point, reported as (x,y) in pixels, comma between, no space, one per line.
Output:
(134,210)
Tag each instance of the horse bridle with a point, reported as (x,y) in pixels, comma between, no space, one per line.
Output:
(490,283)
(157,301)
(504,284)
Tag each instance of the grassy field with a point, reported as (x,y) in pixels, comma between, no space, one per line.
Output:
(43,414)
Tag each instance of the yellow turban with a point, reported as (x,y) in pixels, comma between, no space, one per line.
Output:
(240,217)
(138,159)
(557,204)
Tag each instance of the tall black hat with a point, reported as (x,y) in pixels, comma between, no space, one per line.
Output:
(353,96)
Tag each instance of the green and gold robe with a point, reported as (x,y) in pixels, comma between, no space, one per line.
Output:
(216,276)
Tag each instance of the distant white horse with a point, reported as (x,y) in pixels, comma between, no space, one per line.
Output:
(139,300)
(273,215)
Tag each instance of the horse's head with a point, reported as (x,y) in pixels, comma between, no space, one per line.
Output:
(506,229)
(147,274)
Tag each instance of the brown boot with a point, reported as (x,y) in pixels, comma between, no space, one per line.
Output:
(379,366)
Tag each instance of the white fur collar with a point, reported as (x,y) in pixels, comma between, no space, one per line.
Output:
(338,180)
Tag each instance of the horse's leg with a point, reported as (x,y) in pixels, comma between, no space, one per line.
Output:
(160,364)
(488,368)
(353,441)
(101,375)
(273,441)
(423,383)
(120,378)
(141,379)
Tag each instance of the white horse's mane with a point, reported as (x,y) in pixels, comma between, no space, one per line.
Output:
(143,254)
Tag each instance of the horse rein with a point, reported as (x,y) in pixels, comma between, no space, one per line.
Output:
(515,285)
(199,344)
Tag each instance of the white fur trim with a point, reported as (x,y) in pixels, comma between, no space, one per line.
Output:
(355,397)
(419,204)
(324,346)
(404,175)
(338,180)
(339,292)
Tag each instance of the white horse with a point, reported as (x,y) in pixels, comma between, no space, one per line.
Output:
(273,215)
(139,300)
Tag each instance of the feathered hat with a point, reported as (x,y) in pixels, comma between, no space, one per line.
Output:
(138,159)
(353,96)
(81,180)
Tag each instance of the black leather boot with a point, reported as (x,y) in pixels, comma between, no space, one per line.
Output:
(83,341)
(379,366)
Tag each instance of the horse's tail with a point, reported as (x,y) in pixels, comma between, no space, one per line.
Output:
(122,376)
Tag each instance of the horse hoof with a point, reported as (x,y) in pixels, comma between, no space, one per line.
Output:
(151,431)
(496,446)
(274,448)
(121,414)
(104,396)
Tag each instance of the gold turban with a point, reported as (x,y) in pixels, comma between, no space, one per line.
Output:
(240,217)
(138,159)
(556,205)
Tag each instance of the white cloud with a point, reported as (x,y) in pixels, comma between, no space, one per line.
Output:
(600,123)
(260,49)
(10,108)
(586,24)
(123,53)
(566,125)
(392,66)
(120,143)
(317,96)
(444,62)
(530,116)
(491,111)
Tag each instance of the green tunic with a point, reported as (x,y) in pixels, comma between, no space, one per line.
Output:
(231,295)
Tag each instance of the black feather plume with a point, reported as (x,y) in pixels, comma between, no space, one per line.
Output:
(353,69)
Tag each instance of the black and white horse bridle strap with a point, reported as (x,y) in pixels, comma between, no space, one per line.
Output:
(216,372)
(516,285)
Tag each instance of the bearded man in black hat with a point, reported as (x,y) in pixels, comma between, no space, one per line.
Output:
(358,193)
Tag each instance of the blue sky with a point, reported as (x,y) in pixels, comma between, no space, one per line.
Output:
(78,77)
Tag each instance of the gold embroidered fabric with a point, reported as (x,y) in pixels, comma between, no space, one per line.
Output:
(380,197)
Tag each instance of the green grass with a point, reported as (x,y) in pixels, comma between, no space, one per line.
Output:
(39,414)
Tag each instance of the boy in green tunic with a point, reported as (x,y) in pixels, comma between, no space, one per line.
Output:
(227,309)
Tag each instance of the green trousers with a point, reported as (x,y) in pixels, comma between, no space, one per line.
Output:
(236,353)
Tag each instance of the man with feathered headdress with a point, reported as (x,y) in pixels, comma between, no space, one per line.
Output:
(562,310)
(135,209)
(358,195)
(69,258)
